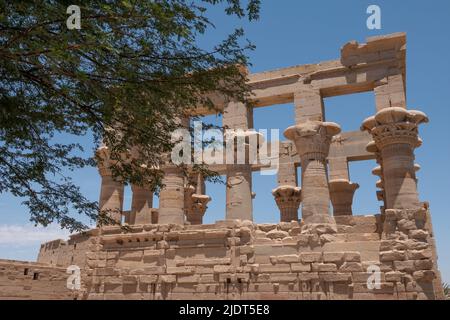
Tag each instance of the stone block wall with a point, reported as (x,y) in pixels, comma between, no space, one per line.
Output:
(31,280)
(50,252)
(235,259)
(65,253)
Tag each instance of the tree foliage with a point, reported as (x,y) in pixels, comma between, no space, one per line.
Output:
(133,68)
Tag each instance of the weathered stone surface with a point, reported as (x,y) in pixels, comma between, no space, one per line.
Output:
(283,277)
(274,268)
(424,275)
(223,269)
(333,256)
(300,267)
(419,254)
(324,267)
(350,267)
(130,280)
(364,276)
(392,255)
(194,278)
(423,264)
(308,276)
(308,257)
(335,277)
(148,279)
(352,256)
(167,278)
(181,270)
(131,256)
(277,234)
(405,266)
(384,288)
(286,258)
(394,276)
(246,249)
(418,234)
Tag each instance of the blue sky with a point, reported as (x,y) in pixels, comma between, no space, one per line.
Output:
(300,32)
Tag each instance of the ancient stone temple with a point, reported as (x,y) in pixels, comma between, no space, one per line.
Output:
(319,249)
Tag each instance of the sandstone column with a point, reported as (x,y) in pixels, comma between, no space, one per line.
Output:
(239,196)
(287,171)
(195,200)
(312,140)
(195,207)
(342,189)
(239,176)
(395,133)
(199,206)
(288,200)
(341,193)
(378,171)
(141,204)
(287,194)
(171,197)
(111,192)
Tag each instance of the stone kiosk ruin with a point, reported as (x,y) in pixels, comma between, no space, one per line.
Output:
(313,252)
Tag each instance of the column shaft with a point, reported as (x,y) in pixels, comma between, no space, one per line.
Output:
(287,172)
(315,192)
(341,193)
(111,197)
(171,197)
(395,134)
(111,192)
(312,140)
(399,176)
(239,192)
(239,176)
(141,205)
